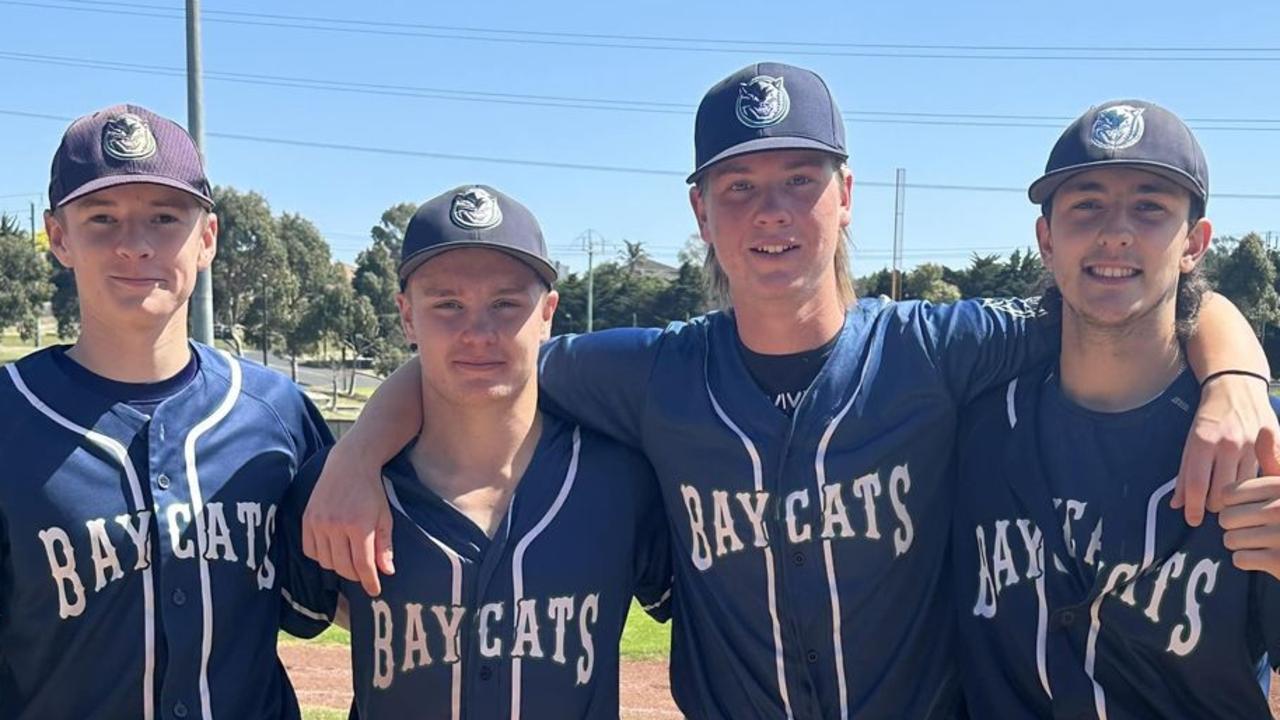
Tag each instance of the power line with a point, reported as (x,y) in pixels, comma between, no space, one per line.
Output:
(668,108)
(300,22)
(404,152)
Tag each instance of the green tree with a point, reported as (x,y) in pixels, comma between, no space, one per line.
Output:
(1024,275)
(1248,278)
(309,269)
(24,279)
(250,263)
(876,284)
(377,281)
(925,282)
(65,301)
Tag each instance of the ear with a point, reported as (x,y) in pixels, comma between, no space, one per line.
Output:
(405,306)
(699,205)
(549,305)
(208,241)
(1199,238)
(1044,238)
(57,239)
(846,195)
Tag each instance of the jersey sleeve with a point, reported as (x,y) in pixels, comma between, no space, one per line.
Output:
(978,344)
(654,574)
(309,593)
(313,434)
(600,379)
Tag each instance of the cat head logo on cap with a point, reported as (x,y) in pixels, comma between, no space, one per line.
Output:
(128,137)
(475,209)
(1117,127)
(762,101)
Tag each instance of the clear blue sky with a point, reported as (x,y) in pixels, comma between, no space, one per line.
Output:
(344,191)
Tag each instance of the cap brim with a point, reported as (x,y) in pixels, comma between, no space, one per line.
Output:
(1044,188)
(545,270)
(767,143)
(108,181)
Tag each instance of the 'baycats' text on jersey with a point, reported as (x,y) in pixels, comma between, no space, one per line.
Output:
(809,549)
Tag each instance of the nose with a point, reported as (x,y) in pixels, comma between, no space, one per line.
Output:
(480,328)
(772,210)
(134,242)
(1116,231)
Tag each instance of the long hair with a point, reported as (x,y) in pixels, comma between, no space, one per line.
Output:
(718,282)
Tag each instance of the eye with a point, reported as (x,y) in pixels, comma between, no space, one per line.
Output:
(1149,206)
(101,219)
(164,219)
(505,303)
(1087,204)
(799,180)
(447,305)
(739,186)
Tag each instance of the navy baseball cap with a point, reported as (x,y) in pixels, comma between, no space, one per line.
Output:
(475,216)
(125,144)
(766,106)
(1126,133)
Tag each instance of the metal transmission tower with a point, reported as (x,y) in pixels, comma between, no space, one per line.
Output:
(202,298)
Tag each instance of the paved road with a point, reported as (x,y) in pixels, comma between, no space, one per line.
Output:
(320,378)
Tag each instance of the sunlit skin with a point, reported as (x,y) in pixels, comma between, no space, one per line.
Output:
(478,317)
(1124,222)
(136,250)
(775,219)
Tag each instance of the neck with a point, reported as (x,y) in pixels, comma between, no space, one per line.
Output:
(1118,369)
(782,328)
(476,447)
(133,356)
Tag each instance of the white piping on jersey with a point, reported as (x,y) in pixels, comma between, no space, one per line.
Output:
(820,471)
(1095,626)
(1042,607)
(456,561)
(197,513)
(661,601)
(517,561)
(1042,628)
(303,609)
(121,456)
(1008,401)
(757,472)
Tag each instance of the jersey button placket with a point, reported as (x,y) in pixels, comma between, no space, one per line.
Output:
(162,481)
(180,710)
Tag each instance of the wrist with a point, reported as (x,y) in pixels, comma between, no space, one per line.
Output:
(1235,372)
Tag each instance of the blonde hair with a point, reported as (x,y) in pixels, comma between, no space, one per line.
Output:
(718,282)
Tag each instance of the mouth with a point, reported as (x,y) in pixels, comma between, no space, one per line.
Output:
(478,365)
(136,281)
(1111,272)
(780,248)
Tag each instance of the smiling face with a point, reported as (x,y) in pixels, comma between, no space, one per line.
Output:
(774,220)
(478,317)
(1117,241)
(136,250)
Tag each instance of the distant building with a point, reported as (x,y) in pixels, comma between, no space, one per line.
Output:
(648,267)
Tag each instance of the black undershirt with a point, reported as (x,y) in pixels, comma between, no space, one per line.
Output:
(785,378)
(143,397)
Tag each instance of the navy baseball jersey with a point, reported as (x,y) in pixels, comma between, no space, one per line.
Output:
(809,546)
(138,576)
(525,624)
(1081,593)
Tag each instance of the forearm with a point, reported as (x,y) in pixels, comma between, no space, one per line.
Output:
(1223,340)
(391,418)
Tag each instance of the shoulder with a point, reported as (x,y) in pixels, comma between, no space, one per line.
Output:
(257,384)
(997,411)
(305,480)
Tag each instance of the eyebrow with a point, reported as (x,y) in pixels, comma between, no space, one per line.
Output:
(450,292)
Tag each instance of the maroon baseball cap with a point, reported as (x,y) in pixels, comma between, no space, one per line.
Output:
(125,144)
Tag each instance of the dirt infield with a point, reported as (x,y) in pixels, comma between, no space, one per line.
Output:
(322,676)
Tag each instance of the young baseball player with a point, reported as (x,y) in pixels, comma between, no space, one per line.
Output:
(143,472)
(522,537)
(1082,593)
(810,534)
